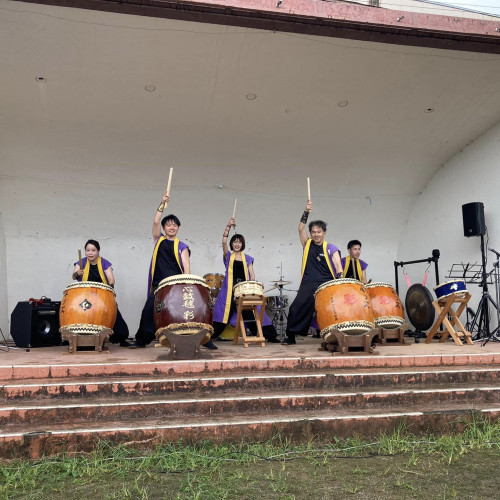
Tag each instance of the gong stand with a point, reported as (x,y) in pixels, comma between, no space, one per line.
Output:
(418,334)
(250,303)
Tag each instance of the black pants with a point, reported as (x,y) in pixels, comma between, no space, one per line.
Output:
(120,329)
(146,331)
(301,311)
(268,331)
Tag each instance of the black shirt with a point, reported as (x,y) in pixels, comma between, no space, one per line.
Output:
(166,263)
(350,271)
(238,272)
(316,266)
(94,274)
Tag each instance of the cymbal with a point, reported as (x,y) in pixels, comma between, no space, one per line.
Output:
(281,282)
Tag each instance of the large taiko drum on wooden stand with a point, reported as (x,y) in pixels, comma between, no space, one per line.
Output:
(343,305)
(387,308)
(86,307)
(182,306)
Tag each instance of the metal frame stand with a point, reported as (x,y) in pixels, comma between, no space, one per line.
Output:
(417,334)
(482,316)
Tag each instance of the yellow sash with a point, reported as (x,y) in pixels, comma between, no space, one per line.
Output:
(306,254)
(155,254)
(229,291)
(359,272)
(86,271)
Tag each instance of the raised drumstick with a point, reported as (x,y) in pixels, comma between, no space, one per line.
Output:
(80,258)
(169,181)
(234,209)
(308,190)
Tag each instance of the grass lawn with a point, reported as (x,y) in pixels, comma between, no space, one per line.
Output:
(463,466)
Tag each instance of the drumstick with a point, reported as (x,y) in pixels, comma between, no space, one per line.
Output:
(234,209)
(169,181)
(308,190)
(80,258)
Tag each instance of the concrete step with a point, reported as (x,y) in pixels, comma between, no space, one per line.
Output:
(267,381)
(11,373)
(297,426)
(250,402)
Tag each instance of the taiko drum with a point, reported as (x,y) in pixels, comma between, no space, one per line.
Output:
(387,308)
(182,305)
(344,305)
(88,303)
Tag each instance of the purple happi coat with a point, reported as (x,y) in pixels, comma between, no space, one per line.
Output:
(224,299)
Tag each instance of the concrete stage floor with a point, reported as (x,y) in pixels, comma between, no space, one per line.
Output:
(306,348)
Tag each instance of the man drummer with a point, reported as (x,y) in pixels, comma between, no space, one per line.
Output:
(353,266)
(170,257)
(320,263)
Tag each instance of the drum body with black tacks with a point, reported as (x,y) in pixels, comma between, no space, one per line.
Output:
(88,303)
(214,281)
(275,302)
(248,288)
(387,308)
(454,287)
(182,305)
(343,305)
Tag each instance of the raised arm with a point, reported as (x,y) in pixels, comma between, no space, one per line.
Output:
(302,224)
(159,215)
(225,248)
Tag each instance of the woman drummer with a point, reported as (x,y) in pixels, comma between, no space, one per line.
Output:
(239,267)
(95,268)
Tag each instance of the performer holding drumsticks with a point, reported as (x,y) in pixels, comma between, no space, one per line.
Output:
(94,268)
(239,267)
(170,257)
(353,266)
(320,263)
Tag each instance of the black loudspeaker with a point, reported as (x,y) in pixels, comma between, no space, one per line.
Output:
(473,215)
(35,324)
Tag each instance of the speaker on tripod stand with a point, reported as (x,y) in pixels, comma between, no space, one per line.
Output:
(475,225)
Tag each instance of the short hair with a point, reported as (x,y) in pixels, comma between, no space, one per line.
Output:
(321,224)
(237,237)
(353,243)
(93,242)
(171,217)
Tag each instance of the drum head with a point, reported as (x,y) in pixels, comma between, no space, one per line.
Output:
(419,307)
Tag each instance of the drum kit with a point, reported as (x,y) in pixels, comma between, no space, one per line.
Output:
(277,304)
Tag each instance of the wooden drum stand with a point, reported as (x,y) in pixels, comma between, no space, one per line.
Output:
(250,303)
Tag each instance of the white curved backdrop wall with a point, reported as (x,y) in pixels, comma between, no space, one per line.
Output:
(435,221)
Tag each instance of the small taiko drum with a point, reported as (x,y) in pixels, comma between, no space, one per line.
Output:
(343,305)
(87,305)
(182,306)
(387,308)
(248,288)
(214,281)
(455,287)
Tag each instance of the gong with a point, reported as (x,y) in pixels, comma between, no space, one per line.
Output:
(419,308)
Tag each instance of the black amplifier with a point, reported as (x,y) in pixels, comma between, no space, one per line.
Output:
(35,323)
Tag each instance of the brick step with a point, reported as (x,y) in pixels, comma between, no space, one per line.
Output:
(214,366)
(38,416)
(340,378)
(298,427)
